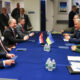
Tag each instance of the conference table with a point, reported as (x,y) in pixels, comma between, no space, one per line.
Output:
(30,64)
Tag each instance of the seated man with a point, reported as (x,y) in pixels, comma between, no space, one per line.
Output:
(77,16)
(75,38)
(76,48)
(72,13)
(21,30)
(8,62)
(11,37)
(27,25)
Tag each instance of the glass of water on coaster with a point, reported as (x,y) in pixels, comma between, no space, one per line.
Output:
(50,65)
(47,47)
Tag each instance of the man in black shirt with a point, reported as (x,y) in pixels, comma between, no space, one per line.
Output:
(72,13)
(16,12)
(4,18)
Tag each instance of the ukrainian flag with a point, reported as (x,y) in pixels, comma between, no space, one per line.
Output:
(49,39)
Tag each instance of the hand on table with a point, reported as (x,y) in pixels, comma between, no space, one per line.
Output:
(67,37)
(31,34)
(65,34)
(26,37)
(9,62)
(73,48)
(10,55)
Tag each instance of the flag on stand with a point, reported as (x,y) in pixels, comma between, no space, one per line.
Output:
(50,39)
(41,41)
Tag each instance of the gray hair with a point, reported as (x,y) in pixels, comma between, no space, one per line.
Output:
(10,21)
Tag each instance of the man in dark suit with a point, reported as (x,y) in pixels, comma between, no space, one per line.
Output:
(72,13)
(21,31)
(11,37)
(75,38)
(71,16)
(16,12)
(4,18)
(27,25)
(5,54)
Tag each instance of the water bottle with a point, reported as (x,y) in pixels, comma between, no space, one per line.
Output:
(50,66)
(47,62)
(54,64)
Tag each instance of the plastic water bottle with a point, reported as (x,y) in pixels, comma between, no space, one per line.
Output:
(54,64)
(47,62)
(50,66)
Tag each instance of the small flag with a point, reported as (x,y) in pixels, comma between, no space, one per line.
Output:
(49,39)
(41,38)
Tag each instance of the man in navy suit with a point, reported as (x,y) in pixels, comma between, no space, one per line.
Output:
(7,62)
(75,38)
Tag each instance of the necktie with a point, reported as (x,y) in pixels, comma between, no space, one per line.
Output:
(22,29)
(3,46)
(14,33)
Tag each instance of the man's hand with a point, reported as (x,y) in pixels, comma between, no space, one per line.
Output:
(67,37)
(73,48)
(10,55)
(31,34)
(9,62)
(65,34)
(26,37)
(5,27)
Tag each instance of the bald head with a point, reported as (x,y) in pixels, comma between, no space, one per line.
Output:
(12,23)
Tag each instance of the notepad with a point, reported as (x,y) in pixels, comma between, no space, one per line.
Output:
(32,40)
(7,79)
(63,47)
(69,44)
(21,49)
(14,58)
(65,40)
(75,66)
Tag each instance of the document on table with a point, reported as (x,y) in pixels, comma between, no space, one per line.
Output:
(7,79)
(65,40)
(73,58)
(21,49)
(63,47)
(75,63)
(69,44)
(75,66)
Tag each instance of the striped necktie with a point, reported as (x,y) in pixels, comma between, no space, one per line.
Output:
(22,29)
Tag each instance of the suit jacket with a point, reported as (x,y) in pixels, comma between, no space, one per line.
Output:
(16,14)
(75,38)
(10,38)
(27,22)
(71,16)
(3,21)
(1,62)
(20,31)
